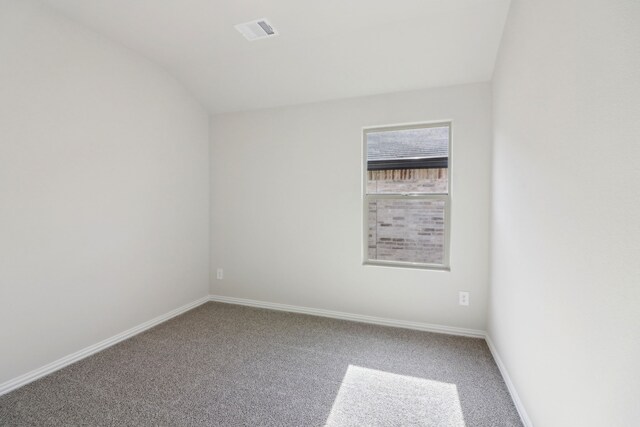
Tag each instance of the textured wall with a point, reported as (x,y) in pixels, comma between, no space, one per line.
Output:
(405,230)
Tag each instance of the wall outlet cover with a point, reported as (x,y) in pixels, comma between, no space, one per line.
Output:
(463,298)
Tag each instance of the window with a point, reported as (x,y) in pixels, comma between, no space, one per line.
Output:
(407,200)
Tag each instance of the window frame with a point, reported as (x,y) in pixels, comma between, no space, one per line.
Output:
(367,198)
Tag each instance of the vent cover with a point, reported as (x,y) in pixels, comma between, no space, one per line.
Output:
(258,29)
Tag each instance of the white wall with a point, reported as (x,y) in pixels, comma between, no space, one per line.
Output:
(565,295)
(287,207)
(103,189)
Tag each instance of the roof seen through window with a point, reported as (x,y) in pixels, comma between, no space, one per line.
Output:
(432,142)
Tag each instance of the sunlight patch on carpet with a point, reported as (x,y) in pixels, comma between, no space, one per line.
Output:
(376,398)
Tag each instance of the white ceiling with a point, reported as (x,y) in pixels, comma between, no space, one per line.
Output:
(326,49)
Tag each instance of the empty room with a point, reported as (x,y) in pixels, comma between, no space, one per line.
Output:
(356,213)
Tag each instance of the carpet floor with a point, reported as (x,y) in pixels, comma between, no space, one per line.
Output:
(228,365)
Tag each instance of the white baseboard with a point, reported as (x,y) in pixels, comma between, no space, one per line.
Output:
(88,351)
(428,327)
(507,379)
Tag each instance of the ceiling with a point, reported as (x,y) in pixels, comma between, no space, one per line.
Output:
(326,49)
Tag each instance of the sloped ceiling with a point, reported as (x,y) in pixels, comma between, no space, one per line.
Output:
(326,49)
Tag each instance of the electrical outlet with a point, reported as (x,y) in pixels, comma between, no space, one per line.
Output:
(220,274)
(463,298)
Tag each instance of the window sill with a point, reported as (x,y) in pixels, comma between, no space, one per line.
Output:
(407,265)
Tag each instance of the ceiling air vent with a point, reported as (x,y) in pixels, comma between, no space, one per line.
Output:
(258,29)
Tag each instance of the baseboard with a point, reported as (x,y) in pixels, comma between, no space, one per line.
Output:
(428,327)
(88,351)
(507,379)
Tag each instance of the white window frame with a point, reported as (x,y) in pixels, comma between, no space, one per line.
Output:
(366,198)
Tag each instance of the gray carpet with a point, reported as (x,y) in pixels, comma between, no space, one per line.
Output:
(227,365)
